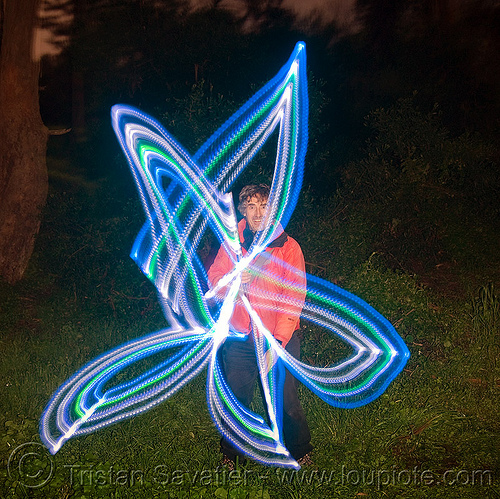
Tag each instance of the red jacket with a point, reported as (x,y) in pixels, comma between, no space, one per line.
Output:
(277,290)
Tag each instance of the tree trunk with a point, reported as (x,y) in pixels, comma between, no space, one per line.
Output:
(23,170)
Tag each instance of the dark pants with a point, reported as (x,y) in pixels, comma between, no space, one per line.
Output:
(240,366)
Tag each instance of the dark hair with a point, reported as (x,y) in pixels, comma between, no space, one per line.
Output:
(249,191)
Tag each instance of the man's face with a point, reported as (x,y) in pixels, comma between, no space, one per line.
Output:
(256,208)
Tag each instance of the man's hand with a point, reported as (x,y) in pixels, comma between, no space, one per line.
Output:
(246,277)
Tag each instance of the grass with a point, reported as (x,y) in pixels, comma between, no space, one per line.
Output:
(438,421)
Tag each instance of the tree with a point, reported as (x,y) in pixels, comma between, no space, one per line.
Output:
(23,171)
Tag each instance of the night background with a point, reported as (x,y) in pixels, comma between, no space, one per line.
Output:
(400,205)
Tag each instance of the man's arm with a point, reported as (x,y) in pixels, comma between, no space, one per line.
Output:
(221,266)
(293,292)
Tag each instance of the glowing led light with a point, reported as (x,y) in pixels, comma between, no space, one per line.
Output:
(181,196)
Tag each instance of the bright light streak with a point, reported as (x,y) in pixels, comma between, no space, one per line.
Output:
(181,196)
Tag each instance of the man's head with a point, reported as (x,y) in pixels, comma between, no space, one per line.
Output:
(253,203)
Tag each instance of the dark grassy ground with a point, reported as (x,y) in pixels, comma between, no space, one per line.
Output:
(434,433)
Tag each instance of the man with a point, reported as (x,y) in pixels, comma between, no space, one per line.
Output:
(275,287)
